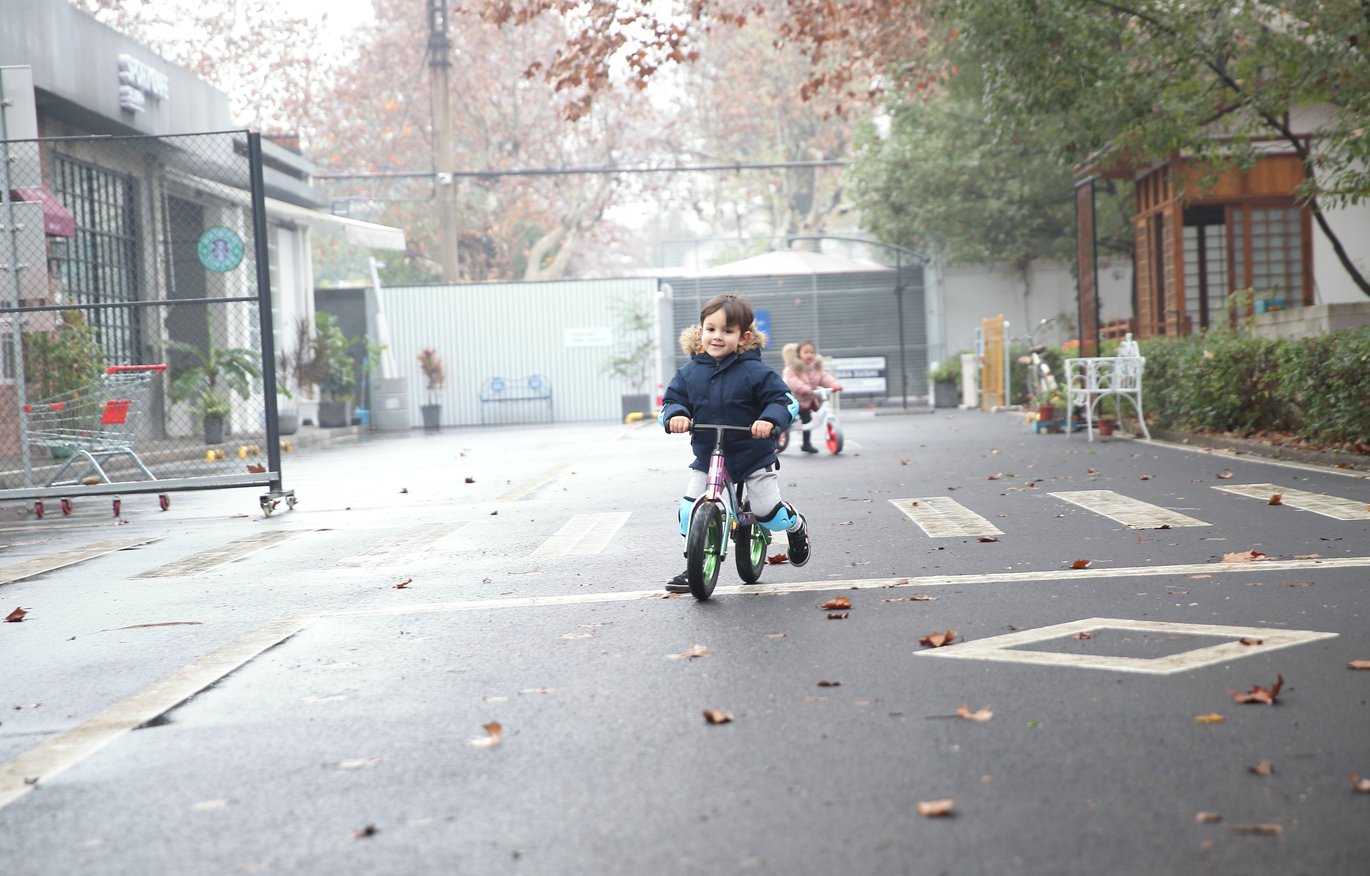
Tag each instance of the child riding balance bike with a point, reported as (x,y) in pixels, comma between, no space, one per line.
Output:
(811,385)
(734,404)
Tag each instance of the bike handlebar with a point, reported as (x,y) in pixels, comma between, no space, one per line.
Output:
(720,428)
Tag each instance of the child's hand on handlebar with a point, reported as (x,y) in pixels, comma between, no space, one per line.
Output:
(762,429)
(679,424)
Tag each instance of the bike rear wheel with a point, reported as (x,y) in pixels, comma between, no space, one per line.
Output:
(750,542)
(703,550)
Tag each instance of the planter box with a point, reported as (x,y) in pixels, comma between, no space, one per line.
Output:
(334,415)
(636,404)
(390,403)
(214,430)
(288,421)
(432,416)
(944,395)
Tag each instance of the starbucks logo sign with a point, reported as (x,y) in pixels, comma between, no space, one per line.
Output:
(220,249)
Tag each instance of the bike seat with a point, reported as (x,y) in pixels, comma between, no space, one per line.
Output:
(1040,348)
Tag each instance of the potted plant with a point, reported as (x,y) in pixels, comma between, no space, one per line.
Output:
(1046,412)
(61,361)
(292,364)
(332,370)
(1106,420)
(946,378)
(434,379)
(637,351)
(210,380)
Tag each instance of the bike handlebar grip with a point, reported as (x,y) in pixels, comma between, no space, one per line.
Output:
(718,427)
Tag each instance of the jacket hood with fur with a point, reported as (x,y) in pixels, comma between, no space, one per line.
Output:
(691,340)
(790,353)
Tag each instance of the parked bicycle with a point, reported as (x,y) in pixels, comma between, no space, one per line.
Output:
(716,513)
(824,422)
(1041,383)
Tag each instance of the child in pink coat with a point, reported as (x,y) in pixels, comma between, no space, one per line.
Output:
(803,374)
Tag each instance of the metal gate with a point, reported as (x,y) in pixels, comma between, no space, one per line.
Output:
(135,337)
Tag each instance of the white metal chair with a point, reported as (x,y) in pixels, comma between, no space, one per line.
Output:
(1089,381)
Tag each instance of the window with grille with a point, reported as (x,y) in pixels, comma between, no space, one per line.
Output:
(101,264)
(1267,255)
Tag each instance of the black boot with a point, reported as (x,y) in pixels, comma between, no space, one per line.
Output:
(799,543)
(807,446)
(679,584)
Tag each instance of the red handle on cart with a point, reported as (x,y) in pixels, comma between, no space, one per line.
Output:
(115,369)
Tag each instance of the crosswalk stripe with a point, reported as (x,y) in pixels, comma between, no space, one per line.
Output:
(402,546)
(583,535)
(1126,510)
(941,517)
(1328,506)
(39,565)
(224,553)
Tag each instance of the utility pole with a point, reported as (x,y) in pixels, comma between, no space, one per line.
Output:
(439,62)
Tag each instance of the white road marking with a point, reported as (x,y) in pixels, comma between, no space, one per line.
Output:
(39,565)
(52,757)
(584,535)
(55,755)
(1225,455)
(1000,648)
(224,553)
(941,517)
(1126,510)
(534,482)
(1328,506)
(403,546)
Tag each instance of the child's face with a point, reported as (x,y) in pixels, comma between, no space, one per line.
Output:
(720,339)
(808,354)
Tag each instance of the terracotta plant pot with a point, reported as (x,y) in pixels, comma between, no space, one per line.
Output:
(1046,413)
(1105,425)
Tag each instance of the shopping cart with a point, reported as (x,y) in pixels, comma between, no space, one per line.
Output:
(93,424)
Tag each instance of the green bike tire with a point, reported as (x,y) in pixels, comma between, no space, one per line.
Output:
(704,548)
(750,544)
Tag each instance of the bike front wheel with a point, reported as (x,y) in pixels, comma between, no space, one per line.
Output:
(835,437)
(703,550)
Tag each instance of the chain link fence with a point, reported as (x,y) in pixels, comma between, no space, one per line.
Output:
(135,332)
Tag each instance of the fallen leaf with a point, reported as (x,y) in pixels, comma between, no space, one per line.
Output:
(986,538)
(15,616)
(1307,556)
(1178,592)
(1247,640)
(1255,583)
(1358,664)
(256,469)
(403,584)
(1210,718)
(837,602)
(830,684)
(1243,557)
(538,690)
(777,559)
(695,650)
(776,635)
(494,513)
(866,563)
(1225,473)
(845,523)
(1260,829)
(1301,584)
(1208,818)
(1144,478)
(404,489)
(89,481)
(994,477)
(902,581)
(838,615)
(815,699)
(208,805)
(369,830)
(905,461)
(1082,635)
(1263,767)
(1164,526)
(1277,499)
(1359,784)
(714,716)
(921,598)
(1080,564)
(895,599)
(469,480)
(1201,576)
(937,640)
(936,808)
(165,624)
(982,715)
(578,636)
(357,763)
(1259,694)
(1093,472)
(491,737)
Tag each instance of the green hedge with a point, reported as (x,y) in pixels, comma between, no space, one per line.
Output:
(1316,388)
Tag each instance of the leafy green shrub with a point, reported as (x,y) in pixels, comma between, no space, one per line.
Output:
(1326,382)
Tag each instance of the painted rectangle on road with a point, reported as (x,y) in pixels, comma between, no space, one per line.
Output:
(224,553)
(39,565)
(401,547)
(1328,506)
(1128,511)
(584,535)
(941,517)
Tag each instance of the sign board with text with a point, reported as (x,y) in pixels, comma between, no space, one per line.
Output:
(859,375)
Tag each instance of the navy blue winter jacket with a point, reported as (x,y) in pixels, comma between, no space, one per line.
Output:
(737,391)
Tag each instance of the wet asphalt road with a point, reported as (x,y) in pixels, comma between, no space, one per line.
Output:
(605,763)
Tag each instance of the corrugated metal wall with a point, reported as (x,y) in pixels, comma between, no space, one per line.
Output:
(512,330)
(845,315)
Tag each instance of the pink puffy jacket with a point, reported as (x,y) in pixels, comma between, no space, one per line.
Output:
(804,379)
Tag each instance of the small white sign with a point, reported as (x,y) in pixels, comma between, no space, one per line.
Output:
(589,337)
(862,384)
(859,363)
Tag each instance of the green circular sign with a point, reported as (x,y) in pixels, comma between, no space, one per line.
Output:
(220,249)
